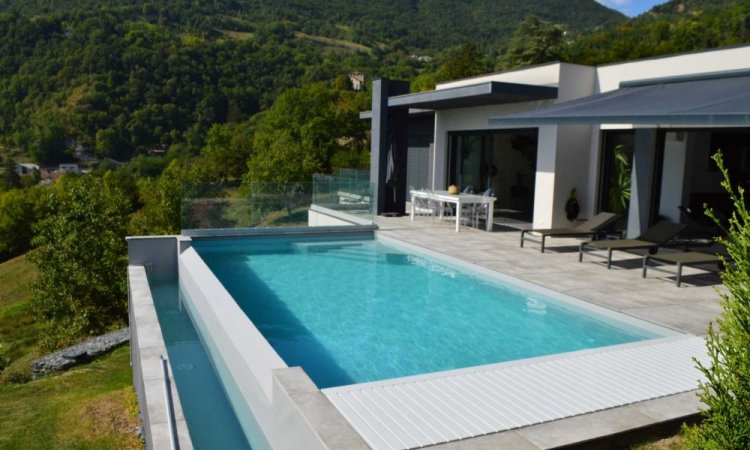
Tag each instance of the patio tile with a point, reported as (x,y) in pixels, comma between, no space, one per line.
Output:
(585,427)
(689,308)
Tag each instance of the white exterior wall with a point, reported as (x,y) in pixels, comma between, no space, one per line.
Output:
(673,179)
(573,168)
(610,76)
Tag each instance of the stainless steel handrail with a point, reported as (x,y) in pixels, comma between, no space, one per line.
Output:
(173,441)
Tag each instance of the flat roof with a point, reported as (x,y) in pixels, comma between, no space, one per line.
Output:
(489,93)
(717,99)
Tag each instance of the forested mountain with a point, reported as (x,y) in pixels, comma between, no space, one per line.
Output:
(121,77)
(416,24)
(676,26)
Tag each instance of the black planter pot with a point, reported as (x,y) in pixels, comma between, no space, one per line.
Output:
(571,207)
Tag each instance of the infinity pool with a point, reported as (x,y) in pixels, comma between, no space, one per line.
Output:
(358,310)
(195,376)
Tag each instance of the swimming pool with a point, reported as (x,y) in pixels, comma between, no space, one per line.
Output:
(355,310)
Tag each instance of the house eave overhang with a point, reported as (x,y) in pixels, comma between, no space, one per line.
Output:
(702,100)
(490,93)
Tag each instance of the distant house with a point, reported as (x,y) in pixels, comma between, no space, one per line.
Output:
(25,168)
(358,80)
(69,168)
(421,58)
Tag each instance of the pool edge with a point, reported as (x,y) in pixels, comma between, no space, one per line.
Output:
(146,347)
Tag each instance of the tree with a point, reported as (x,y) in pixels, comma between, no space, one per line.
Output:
(161,202)
(80,250)
(461,62)
(535,41)
(48,137)
(223,156)
(726,392)
(299,135)
(10,178)
(20,209)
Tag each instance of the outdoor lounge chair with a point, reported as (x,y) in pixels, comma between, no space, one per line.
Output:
(589,228)
(650,240)
(680,259)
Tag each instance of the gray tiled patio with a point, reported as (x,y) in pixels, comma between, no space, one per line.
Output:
(688,308)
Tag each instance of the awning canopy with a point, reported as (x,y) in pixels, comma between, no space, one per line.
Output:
(721,99)
(490,93)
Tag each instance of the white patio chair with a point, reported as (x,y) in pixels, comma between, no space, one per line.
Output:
(481,211)
(423,208)
(440,209)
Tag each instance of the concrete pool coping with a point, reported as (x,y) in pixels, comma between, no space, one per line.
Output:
(147,346)
(586,429)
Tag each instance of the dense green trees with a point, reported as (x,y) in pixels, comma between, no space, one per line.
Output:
(535,41)
(80,250)
(9,179)
(160,200)
(462,62)
(121,88)
(308,130)
(672,28)
(20,210)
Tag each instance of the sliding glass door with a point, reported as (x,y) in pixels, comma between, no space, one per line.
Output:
(504,160)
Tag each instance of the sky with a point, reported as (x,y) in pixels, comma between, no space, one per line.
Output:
(631,8)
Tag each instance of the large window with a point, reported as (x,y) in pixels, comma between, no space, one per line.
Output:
(502,160)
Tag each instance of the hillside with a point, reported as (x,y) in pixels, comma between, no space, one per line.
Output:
(417,24)
(674,27)
(118,79)
(675,8)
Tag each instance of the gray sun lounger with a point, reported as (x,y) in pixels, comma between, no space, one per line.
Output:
(680,259)
(589,228)
(651,240)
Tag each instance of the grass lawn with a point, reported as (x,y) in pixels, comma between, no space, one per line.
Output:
(88,407)
(673,443)
(18,330)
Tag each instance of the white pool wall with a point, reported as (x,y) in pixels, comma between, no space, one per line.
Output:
(287,406)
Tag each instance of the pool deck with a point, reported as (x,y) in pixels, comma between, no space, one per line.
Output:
(652,386)
(688,308)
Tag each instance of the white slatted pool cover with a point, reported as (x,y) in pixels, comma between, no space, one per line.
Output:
(430,409)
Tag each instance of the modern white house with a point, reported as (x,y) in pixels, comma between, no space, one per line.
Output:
(633,137)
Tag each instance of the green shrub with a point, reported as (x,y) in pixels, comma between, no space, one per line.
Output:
(81,255)
(726,391)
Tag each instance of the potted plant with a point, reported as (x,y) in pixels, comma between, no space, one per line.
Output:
(572,208)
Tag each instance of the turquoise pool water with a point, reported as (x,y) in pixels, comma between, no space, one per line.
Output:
(210,418)
(359,310)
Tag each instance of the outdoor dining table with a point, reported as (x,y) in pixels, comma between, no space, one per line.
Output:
(460,200)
